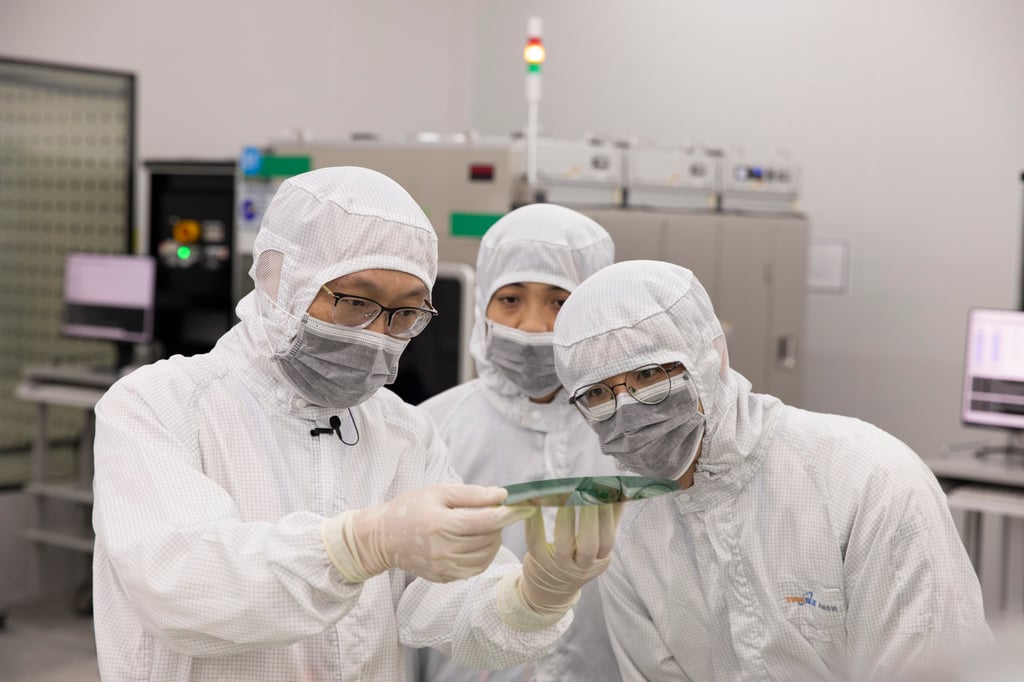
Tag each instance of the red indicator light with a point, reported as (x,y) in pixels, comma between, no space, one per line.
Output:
(481,171)
(533,53)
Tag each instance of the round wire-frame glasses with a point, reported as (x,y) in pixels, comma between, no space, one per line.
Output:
(649,385)
(360,312)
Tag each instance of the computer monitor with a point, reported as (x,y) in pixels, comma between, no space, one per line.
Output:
(109,296)
(439,358)
(993,388)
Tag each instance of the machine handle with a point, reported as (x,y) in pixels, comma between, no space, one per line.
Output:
(785,352)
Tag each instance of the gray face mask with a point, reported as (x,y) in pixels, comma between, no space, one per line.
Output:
(334,366)
(660,441)
(527,359)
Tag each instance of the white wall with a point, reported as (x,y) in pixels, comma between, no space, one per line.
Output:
(213,77)
(907,116)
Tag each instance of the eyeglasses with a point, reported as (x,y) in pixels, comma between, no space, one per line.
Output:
(649,385)
(359,312)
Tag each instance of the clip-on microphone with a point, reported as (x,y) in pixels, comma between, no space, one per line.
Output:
(335,426)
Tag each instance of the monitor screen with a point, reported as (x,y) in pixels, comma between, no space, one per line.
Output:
(439,358)
(993,391)
(109,296)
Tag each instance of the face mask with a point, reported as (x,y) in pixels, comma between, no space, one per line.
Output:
(527,359)
(660,441)
(334,366)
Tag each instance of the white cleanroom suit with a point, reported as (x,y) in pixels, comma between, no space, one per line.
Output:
(809,547)
(496,435)
(212,493)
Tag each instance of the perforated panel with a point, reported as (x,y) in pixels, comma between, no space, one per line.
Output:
(66,155)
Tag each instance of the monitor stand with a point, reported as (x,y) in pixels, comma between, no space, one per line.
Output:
(125,355)
(1013,448)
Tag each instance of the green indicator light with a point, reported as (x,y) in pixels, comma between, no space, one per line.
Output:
(533,68)
(184,252)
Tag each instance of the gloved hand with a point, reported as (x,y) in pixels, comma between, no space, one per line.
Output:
(442,533)
(553,574)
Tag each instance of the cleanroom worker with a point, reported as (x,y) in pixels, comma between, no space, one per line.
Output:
(800,546)
(267,511)
(514,423)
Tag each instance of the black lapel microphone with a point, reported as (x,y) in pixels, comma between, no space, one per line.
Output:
(335,427)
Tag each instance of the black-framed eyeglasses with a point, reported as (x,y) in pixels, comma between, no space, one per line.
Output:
(360,312)
(649,385)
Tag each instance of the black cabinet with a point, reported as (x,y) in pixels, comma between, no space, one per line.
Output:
(191,235)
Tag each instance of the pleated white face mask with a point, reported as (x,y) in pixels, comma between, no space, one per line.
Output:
(527,359)
(334,366)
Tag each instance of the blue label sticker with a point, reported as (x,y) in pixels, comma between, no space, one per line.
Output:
(251,161)
(248,209)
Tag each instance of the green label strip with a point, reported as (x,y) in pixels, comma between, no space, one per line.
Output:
(284,166)
(472,224)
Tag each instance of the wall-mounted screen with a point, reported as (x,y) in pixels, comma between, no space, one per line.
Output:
(109,296)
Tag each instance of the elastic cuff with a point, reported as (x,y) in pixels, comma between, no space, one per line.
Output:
(336,535)
(517,613)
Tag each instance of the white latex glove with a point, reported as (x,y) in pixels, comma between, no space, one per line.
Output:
(553,574)
(442,533)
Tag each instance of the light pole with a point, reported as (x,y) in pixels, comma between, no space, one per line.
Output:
(533,53)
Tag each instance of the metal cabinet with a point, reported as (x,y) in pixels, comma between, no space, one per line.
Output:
(761,299)
(753,268)
(462,187)
(637,235)
(753,265)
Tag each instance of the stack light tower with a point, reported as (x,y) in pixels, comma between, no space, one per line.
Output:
(534,55)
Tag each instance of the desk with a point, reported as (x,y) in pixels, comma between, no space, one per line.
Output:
(986,498)
(988,470)
(45,392)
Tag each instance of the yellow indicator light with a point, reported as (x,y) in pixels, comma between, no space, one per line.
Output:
(186,231)
(534,52)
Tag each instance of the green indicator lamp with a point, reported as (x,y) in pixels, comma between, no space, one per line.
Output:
(533,53)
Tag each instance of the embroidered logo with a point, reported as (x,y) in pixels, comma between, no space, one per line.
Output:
(807,599)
